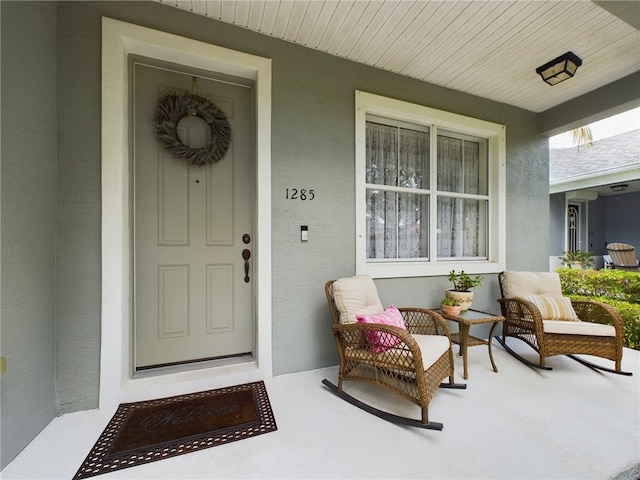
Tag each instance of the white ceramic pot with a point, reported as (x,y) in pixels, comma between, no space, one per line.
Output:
(464,298)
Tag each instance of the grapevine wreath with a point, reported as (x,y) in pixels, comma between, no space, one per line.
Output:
(172,108)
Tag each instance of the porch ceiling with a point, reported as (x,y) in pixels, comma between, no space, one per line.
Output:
(486,48)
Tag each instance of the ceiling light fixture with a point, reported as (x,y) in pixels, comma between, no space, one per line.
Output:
(619,188)
(559,69)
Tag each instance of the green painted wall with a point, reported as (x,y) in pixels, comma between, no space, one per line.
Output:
(312,147)
(28,212)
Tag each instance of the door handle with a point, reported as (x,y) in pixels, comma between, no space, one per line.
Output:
(246,254)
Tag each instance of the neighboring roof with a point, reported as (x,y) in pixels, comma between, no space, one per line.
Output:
(613,160)
(608,154)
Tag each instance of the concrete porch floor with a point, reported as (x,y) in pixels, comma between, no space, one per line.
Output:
(519,423)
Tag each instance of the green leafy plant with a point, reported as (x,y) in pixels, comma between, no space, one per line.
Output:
(617,285)
(450,301)
(463,282)
(617,288)
(571,257)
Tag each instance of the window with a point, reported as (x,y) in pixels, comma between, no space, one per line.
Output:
(397,179)
(430,190)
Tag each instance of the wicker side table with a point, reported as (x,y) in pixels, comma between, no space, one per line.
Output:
(465,320)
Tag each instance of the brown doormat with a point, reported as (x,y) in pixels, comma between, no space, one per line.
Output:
(144,432)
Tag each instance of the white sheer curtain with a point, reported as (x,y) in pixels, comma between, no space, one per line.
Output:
(397,218)
(461,221)
(398,200)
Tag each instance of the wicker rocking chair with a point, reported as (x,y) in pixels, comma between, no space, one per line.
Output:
(536,313)
(411,362)
(623,256)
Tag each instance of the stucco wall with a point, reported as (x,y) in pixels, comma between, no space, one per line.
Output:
(622,221)
(312,147)
(597,228)
(28,221)
(79,259)
(557,214)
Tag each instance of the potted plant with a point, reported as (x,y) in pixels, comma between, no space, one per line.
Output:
(450,306)
(577,259)
(462,288)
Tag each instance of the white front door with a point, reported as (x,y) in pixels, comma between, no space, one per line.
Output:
(193,229)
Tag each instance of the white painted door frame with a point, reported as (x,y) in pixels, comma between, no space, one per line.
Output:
(117,382)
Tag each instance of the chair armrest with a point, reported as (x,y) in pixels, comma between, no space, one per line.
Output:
(597,312)
(518,310)
(422,321)
(353,335)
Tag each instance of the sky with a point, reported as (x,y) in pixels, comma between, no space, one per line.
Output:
(623,122)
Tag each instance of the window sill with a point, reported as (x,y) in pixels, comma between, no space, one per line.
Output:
(427,269)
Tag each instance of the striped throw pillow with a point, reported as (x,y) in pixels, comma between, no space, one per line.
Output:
(553,308)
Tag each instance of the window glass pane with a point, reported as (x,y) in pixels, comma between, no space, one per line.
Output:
(382,154)
(462,164)
(462,231)
(414,159)
(397,156)
(397,225)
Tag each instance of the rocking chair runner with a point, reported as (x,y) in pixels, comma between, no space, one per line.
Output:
(411,362)
(536,313)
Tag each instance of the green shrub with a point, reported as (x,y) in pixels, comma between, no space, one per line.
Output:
(617,288)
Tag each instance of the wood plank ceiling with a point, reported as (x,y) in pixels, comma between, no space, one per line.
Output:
(486,48)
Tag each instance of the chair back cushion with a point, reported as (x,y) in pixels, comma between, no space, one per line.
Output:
(519,284)
(356,296)
(622,254)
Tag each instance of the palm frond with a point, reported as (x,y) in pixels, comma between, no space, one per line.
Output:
(582,136)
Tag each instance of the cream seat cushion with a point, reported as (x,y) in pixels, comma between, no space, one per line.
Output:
(356,296)
(578,328)
(431,347)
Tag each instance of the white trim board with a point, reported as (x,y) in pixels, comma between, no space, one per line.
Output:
(117,383)
(595,179)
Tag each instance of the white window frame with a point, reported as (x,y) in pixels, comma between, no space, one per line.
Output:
(495,134)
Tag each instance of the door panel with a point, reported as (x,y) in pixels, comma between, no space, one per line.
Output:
(173,205)
(191,298)
(173,295)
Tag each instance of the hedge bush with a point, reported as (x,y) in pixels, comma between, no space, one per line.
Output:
(618,288)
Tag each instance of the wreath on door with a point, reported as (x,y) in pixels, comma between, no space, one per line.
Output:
(173,107)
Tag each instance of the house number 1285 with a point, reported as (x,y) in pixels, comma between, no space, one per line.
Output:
(300,194)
